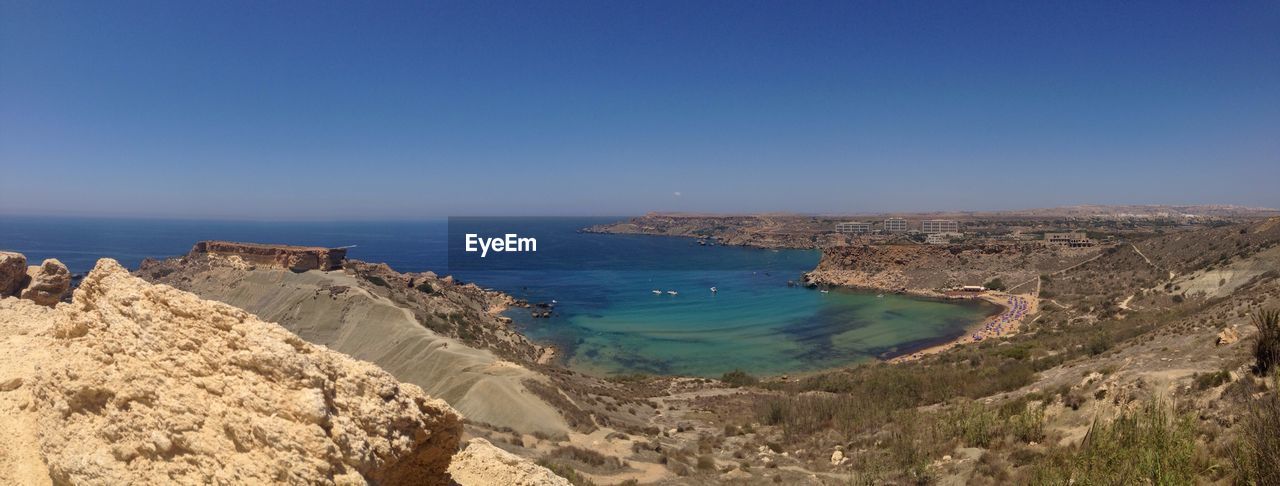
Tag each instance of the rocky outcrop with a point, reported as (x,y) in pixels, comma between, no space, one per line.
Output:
(13,272)
(483,464)
(47,283)
(295,258)
(134,383)
(1228,336)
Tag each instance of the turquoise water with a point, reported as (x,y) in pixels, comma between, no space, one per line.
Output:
(754,323)
(606,320)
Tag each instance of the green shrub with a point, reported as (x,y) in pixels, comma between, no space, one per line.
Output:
(1206,381)
(1257,451)
(1146,446)
(1267,349)
(739,378)
(585,456)
(1028,425)
(973,424)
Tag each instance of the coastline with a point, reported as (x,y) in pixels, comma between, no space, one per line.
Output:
(1020,309)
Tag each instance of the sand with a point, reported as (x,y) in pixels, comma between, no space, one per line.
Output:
(1010,328)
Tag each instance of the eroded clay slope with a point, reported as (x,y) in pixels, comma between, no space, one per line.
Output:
(333,309)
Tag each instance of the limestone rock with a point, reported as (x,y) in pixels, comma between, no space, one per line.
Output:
(837,457)
(47,283)
(295,258)
(1228,336)
(146,384)
(735,475)
(10,384)
(13,272)
(481,464)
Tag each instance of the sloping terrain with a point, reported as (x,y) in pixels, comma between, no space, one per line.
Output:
(1093,392)
(938,267)
(347,314)
(135,383)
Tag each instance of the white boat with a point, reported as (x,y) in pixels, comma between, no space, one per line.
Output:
(672,292)
(879,296)
(657,292)
(825,291)
(713,290)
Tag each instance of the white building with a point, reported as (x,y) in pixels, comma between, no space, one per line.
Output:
(853,227)
(895,225)
(931,226)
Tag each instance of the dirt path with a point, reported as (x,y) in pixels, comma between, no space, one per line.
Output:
(1125,305)
(1144,257)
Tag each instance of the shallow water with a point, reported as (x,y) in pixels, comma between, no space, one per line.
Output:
(607,319)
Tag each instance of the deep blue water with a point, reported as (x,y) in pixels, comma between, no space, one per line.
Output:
(607,318)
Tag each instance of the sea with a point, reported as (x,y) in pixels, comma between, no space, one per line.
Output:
(607,319)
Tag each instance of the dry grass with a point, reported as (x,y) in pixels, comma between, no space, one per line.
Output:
(1147,446)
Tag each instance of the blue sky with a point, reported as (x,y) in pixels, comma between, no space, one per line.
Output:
(422,109)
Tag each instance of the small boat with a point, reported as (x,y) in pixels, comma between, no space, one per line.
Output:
(672,292)
(879,296)
(713,290)
(825,291)
(657,292)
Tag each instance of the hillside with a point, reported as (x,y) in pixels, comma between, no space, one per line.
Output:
(934,268)
(1092,391)
(134,383)
(359,314)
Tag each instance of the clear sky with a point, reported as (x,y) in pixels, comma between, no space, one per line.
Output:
(344,109)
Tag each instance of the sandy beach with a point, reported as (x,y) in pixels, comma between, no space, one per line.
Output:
(1018,308)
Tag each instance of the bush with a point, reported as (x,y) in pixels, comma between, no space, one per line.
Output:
(1267,350)
(585,456)
(1211,380)
(1073,400)
(1028,426)
(995,284)
(706,463)
(1146,446)
(739,378)
(425,287)
(1257,455)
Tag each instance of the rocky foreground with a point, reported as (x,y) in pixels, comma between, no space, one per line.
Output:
(135,383)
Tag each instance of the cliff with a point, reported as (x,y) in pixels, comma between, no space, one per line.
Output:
(296,258)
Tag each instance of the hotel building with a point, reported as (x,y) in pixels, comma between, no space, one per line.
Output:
(932,226)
